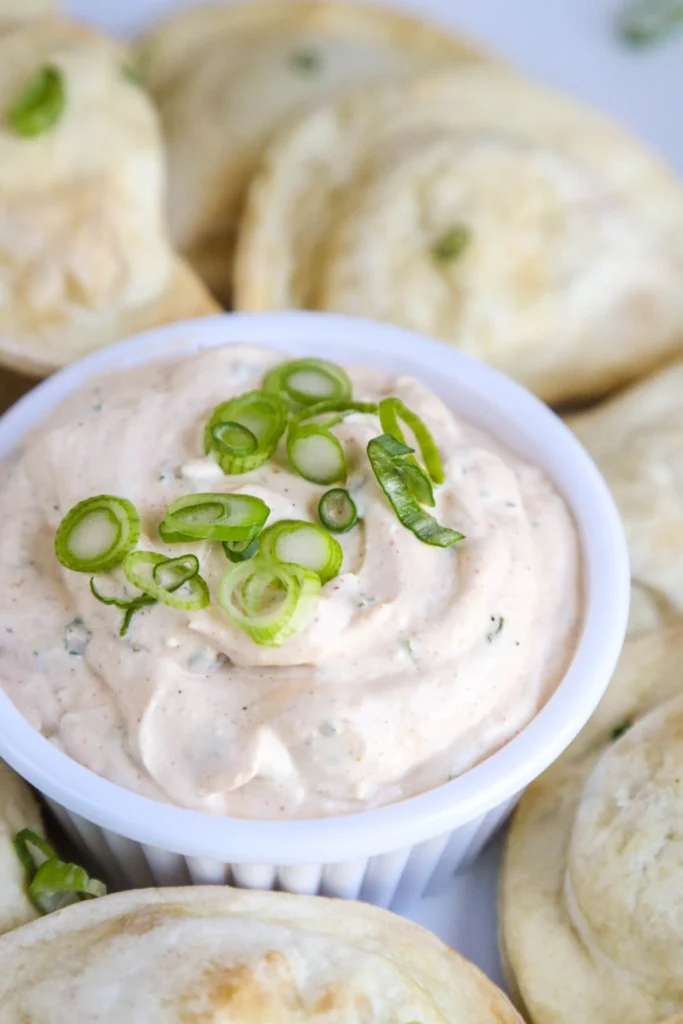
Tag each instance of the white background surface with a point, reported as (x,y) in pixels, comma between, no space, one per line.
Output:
(570,44)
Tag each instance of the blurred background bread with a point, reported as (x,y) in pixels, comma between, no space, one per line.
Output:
(226,75)
(18,810)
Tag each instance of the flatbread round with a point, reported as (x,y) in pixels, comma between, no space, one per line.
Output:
(481,209)
(225,75)
(84,258)
(216,954)
(21,9)
(18,810)
(637,441)
(591,906)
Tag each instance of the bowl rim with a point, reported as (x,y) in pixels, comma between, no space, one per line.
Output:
(492,782)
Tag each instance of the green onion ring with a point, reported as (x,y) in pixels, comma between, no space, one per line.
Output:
(52,883)
(233,439)
(40,104)
(241,550)
(342,408)
(316,454)
(296,542)
(190,595)
(337,510)
(307,381)
(295,590)
(216,516)
(393,409)
(129,605)
(386,456)
(263,415)
(97,534)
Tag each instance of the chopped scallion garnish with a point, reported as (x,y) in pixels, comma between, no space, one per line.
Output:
(52,883)
(173,581)
(646,21)
(391,410)
(306,381)
(129,605)
(337,510)
(316,454)
(269,601)
(387,457)
(97,534)
(255,414)
(40,104)
(241,550)
(215,517)
(294,541)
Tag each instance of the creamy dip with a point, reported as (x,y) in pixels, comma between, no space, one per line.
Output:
(419,662)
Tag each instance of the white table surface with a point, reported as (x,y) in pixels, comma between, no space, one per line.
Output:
(570,44)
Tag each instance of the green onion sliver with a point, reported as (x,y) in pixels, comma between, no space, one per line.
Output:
(305,381)
(341,408)
(52,883)
(387,457)
(129,605)
(418,483)
(241,550)
(40,104)
(216,517)
(57,884)
(157,576)
(32,850)
(97,534)
(255,414)
(287,599)
(296,542)
(645,21)
(316,454)
(233,439)
(393,409)
(337,510)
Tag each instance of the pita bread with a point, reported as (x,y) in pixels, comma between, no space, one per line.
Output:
(484,210)
(84,258)
(591,910)
(18,809)
(216,954)
(21,9)
(224,76)
(637,441)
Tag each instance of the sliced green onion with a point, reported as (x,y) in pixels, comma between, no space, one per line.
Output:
(32,850)
(130,605)
(145,569)
(241,550)
(262,415)
(170,536)
(316,454)
(172,573)
(452,244)
(233,439)
(337,510)
(387,457)
(305,381)
(393,409)
(646,21)
(57,884)
(288,597)
(342,408)
(296,542)
(418,483)
(216,516)
(40,104)
(97,534)
(52,883)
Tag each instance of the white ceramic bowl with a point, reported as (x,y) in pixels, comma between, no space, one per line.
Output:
(392,854)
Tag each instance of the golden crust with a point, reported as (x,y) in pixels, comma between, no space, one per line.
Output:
(636,438)
(576,857)
(18,809)
(84,258)
(351,202)
(224,76)
(201,954)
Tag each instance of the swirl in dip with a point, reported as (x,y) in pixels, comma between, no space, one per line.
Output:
(419,662)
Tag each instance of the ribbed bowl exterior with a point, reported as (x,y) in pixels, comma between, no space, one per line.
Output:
(391,880)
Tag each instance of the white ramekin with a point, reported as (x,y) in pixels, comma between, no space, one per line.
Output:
(389,855)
